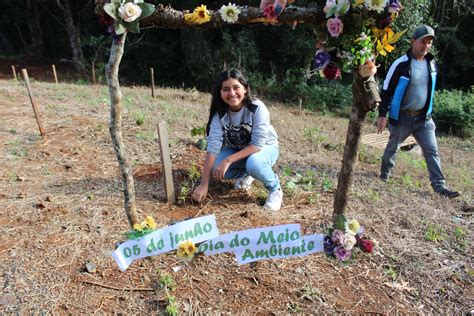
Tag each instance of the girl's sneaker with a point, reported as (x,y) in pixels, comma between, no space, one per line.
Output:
(274,201)
(244,183)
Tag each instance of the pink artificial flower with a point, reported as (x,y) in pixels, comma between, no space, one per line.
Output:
(269,12)
(334,26)
(341,253)
(337,236)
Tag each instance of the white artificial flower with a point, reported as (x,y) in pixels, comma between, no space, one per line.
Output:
(129,12)
(352,227)
(230,13)
(349,241)
(336,7)
(376,5)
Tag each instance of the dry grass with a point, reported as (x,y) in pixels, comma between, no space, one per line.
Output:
(62,207)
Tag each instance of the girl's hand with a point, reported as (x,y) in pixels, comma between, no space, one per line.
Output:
(200,193)
(221,169)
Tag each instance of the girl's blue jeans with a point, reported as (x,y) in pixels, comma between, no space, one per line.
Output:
(258,165)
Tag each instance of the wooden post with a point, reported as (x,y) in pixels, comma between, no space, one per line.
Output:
(14,72)
(54,73)
(300,105)
(93,73)
(166,162)
(152,80)
(35,108)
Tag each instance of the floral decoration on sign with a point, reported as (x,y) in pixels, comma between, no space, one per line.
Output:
(186,250)
(126,14)
(230,13)
(143,228)
(200,15)
(344,237)
(343,49)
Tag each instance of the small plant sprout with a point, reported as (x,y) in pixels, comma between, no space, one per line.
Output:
(434,233)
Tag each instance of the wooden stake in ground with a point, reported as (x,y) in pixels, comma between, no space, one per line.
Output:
(14,72)
(166,163)
(54,73)
(33,104)
(93,73)
(152,80)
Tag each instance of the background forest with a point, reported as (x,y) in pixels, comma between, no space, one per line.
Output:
(276,59)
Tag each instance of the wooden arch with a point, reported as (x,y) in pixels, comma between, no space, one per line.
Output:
(364,91)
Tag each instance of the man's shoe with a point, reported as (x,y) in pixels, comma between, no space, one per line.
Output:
(274,201)
(384,177)
(244,183)
(448,193)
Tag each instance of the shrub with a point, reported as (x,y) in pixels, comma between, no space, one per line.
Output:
(453,112)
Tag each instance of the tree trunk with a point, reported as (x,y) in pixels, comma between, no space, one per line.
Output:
(115,128)
(74,36)
(34,26)
(364,98)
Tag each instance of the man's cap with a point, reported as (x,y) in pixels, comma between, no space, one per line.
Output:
(422,32)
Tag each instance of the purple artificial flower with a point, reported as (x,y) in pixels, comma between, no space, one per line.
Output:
(335,26)
(394,6)
(337,237)
(328,245)
(321,59)
(341,253)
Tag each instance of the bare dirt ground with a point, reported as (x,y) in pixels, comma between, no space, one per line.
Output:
(61,207)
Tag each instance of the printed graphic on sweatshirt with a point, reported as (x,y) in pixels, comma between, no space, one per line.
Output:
(237,136)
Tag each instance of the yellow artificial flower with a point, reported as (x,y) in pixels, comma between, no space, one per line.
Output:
(138,227)
(201,15)
(358,2)
(186,250)
(150,222)
(385,38)
(189,18)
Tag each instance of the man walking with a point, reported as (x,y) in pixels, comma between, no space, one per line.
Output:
(407,96)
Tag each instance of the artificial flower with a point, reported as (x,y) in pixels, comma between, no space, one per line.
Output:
(150,222)
(394,6)
(357,3)
(201,15)
(337,237)
(366,245)
(331,72)
(138,227)
(269,12)
(336,7)
(341,253)
(349,241)
(230,13)
(376,5)
(328,245)
(389,37)
(352,227)
(334,26)
(129,12)
(321,59)
(186,250)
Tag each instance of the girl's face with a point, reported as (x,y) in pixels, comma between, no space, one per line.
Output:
(233,93)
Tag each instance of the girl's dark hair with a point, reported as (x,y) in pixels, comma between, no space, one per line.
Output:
(217,104)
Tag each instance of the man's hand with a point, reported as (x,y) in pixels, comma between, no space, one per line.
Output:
(381,124)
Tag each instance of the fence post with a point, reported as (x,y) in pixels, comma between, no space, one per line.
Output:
(14,72)
(33,104)
(54,73)
(152,79)
(93,73)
